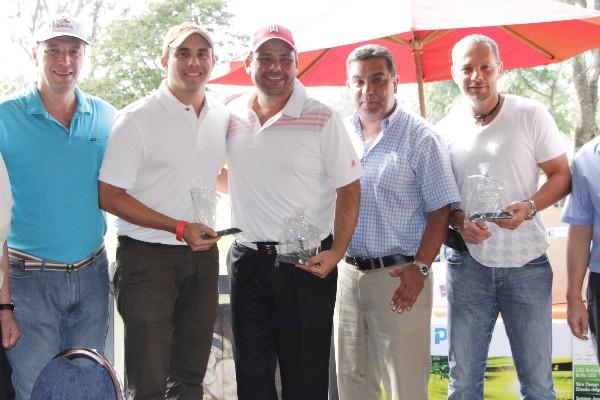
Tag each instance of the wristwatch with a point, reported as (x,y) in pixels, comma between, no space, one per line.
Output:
(451,216)
(423,268)
(532,210)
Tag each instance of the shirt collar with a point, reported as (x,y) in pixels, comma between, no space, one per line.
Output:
(172,103)
(385,123)
(293,108)
(36,106)
(597,146)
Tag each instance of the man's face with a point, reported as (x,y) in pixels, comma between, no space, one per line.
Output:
(476,71)
(372,87)
(59,62)
(273,68)
(189,65)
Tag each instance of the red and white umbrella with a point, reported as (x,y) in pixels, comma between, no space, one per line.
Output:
(421,33)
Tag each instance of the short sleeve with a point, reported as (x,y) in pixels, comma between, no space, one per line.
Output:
(124,153)
(548,141)
(434,171)
(578,209)
(340,159)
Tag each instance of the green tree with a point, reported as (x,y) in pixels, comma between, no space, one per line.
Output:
(127,54)
(439,99)
(586,71)
(550,85)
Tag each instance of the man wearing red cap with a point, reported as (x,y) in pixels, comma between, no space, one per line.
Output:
(289,158)
(167,270)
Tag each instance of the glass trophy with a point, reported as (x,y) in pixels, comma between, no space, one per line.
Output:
(205,200)
(485,197)
(299,241)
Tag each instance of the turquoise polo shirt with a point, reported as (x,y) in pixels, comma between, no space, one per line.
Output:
(54,175)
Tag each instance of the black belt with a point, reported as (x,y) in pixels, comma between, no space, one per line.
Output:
(126,239)
(267,247)
(271,247)
(366,263)
(27,262)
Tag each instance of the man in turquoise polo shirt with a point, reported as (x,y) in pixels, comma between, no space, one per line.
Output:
(52,139)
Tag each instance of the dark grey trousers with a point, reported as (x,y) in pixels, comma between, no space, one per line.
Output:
(168,298)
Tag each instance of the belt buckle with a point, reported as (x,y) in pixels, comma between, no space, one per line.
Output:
(374,265)
(269,249)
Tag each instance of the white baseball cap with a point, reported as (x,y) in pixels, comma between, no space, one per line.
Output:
(61,25)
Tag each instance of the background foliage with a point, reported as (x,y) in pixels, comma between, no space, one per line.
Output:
(125,58)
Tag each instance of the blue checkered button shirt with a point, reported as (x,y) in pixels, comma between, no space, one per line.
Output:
(406,175)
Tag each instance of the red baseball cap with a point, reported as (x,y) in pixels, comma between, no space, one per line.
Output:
(274,31)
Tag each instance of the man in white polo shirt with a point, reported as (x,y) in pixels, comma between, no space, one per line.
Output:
(166,291)
(287,155)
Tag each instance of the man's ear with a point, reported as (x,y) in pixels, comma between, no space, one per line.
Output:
(34,55)
(164,61)
(452,73)
(396,81)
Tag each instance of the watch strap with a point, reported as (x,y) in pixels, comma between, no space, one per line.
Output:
(423,268)
(8,306)
(532,210)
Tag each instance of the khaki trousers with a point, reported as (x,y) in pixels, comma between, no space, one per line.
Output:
(375,345)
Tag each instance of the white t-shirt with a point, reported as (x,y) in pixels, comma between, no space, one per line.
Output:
(158,150)
(5,207)
(522,136)
(290,165)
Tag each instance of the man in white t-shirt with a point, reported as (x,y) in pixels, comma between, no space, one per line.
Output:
(505,270)
(289,157)
(167,270)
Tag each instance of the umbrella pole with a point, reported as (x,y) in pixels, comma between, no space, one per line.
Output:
(421,97)
(417,50)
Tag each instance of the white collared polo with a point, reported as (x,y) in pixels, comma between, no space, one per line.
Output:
(289,166)
(158,150)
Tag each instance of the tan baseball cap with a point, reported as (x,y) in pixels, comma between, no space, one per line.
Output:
(177,34)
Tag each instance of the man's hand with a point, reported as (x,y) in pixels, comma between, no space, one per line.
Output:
(10,330)
(322,264)
(194,234)
(411,284)
(577,317)
(475,232)
(520,211)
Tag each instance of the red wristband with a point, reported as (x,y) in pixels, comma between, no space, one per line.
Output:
(179,230)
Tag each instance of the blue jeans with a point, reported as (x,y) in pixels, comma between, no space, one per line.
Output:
(55,311)
(476,294)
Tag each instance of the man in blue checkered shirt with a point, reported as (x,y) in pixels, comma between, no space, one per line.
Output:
(384,299)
